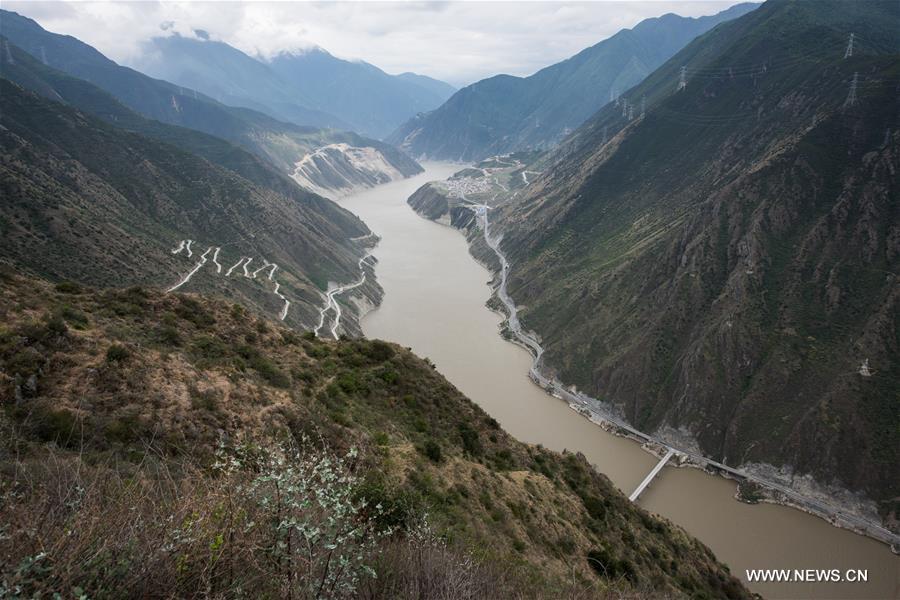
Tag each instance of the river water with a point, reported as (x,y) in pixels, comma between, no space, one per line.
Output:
(434,303)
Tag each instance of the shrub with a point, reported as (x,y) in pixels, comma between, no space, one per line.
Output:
(68,287)
(596,507)
(56,326)
(351,383)
(191,310)
(117,353)
(169,335)
(432,450)
(210,348)
(59,426)
(610,567)
(378,351)
(470,440)
(74,316)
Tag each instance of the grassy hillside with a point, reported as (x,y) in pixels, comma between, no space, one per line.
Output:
(150,431)
(721,268)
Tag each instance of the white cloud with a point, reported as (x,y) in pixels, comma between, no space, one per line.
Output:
(459,42)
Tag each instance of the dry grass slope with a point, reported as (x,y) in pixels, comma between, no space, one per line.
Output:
(177,446)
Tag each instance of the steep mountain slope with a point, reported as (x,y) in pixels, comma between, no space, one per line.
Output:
(505,113)
(374,102)
(283,144)
(155,423)
(96,204)
(724,269)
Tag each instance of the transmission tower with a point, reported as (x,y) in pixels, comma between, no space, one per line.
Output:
(8,54)
(851,97)
(643,106)
(631,112)
(617,97)
(849,52)
(43,55)
(624,107)
(682,79)
(605,127)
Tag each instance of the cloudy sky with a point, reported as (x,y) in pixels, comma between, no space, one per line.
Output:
(459,42)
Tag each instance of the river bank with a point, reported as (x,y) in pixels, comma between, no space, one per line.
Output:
(436,302)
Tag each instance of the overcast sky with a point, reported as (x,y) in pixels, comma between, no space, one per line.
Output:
(459,42)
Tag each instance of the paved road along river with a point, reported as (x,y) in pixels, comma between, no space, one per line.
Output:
(434,302)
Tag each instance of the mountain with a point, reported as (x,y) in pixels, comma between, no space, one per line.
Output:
(282,144)
(723,270)
(504,113)
(363,97)
(371,100)
(436,86)
(229,76)
(99,205)
(180,447)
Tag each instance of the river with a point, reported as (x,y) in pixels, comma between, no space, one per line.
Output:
(434,303)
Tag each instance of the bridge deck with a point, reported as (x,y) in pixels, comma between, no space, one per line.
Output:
(637,492)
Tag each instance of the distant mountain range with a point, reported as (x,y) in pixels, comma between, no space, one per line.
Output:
(722,268)
(283,144)
(308,88)
(505,113)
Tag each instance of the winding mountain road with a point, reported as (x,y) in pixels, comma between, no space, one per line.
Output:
(243,261)
(332,303)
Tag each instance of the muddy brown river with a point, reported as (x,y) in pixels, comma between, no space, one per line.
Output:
(434,303)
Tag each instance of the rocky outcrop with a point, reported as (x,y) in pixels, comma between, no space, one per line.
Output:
(341,168)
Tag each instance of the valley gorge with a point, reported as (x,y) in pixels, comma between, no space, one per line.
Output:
(639,341)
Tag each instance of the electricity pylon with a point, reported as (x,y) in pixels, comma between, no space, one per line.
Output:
(851,97)
(849,52)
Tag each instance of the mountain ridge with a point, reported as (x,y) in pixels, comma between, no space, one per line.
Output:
(504,113)
(361,96)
